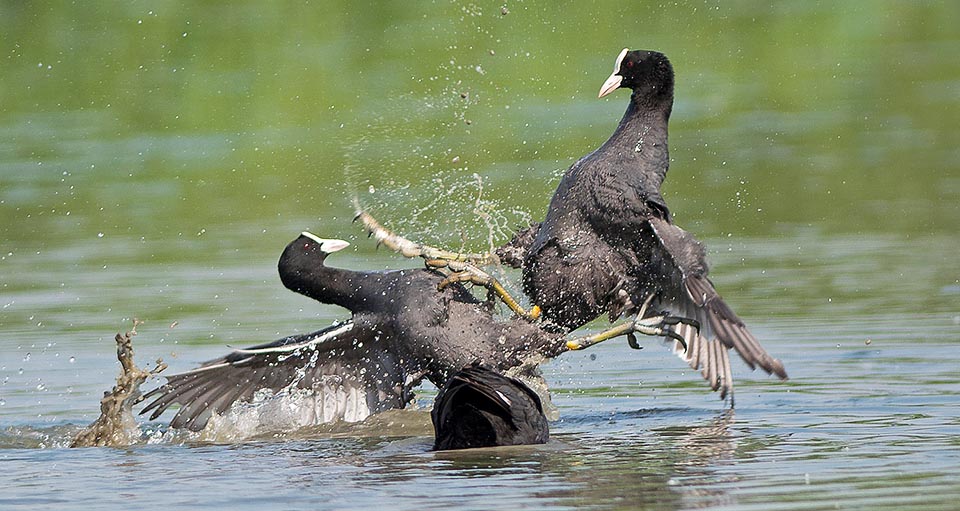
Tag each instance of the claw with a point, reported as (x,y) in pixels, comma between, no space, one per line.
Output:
(673,335)
(695,324)
(457,277)
(676,320)
(463,267)
(657,326)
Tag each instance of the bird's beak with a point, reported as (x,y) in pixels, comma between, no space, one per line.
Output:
(613,83)
(326,245)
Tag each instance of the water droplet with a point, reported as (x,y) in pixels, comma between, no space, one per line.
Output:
(73,359)
(26,358)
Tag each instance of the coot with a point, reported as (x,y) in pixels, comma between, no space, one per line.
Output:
(402,330)
(479,407)
(608,242)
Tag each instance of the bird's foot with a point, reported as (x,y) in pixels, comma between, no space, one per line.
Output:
(659,326)
(434,257)
(656,326)
(465,272)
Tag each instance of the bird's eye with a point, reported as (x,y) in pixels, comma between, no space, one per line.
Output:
(306,245)
(629,63)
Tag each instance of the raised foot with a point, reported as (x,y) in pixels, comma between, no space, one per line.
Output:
(463,267)
(435,257)
(465,272)
(657,326)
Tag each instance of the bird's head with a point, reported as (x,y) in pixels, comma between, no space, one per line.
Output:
(648,73)
(305,255)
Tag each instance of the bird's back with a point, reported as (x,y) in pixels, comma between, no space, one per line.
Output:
(479,407)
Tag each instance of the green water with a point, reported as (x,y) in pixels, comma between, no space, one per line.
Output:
(155,157)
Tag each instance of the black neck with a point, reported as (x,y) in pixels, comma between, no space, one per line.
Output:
(314,280)
(641,137)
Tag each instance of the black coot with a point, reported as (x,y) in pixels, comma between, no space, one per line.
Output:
(479,407)
(402,330)
(608,242)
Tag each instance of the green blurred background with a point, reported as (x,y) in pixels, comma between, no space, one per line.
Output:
(150,119)
(163,140)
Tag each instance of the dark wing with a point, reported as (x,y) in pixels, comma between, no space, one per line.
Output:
(464,387)
(679,262)
(351,376)
(496,392)
(479,407)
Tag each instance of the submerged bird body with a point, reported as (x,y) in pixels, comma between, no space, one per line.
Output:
(479,407)
(402,330)
(608,242)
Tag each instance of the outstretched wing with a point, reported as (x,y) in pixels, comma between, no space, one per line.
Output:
(351,374)
(678,262)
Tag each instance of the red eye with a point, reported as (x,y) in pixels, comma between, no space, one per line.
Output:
(306,245)
(629,63)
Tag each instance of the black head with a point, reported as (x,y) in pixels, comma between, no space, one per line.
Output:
(305,254)
(648,73)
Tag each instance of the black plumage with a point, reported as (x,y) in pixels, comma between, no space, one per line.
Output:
(479,407)
(402,330)
(608,242)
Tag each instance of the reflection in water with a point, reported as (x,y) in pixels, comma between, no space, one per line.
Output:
(659,469)
(704,448)
(666,468)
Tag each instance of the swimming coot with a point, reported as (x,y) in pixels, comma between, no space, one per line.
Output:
(479,407)
(402,330)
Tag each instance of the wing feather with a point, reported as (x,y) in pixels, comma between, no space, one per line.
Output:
(349,382)
(679,269)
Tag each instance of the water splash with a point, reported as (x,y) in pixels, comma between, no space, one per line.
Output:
(116,426)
